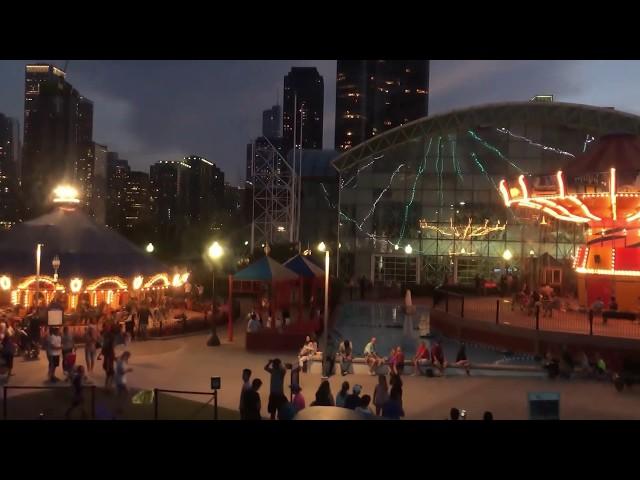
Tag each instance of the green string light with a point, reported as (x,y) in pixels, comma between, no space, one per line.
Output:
(488,146)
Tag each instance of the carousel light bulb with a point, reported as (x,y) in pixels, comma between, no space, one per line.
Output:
(408,249)
(5,282)
(137,282)
(150,248)
(75,284)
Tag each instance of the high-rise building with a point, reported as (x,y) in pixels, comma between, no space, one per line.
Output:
(373,96)
(117,180)
(205,191)
(303,107)
(51,108)
(169,183)
(271,122)
(9,199)
(84,125)
(136,200)
(99,196)
(83,173)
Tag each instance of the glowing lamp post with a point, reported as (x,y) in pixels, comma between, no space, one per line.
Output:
(214,252)
(55,263)
(323,248)
(149,248)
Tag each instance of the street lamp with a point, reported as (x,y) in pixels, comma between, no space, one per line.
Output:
(507,255)
(215,251)
(55,263)
(323,248)
(149,248)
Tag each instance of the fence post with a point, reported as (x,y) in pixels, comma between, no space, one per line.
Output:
(537,317)
(590,322)
(4,402)
(215,404)
(155,404)
(462,308)
(93,402)
(446,303)
(498,311)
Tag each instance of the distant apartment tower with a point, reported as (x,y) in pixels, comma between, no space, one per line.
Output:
(118,171)
(272,121)
(205,190)
(303,108)
(54,116)
(9,183)
(373,96)
(99,196)
(136,200)
(169,183)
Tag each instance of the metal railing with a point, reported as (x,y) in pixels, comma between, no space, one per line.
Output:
(5,397)
(156,400)
(554,316)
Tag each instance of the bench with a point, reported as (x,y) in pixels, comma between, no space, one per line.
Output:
(607,314)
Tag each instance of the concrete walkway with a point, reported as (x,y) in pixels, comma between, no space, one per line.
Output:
(187,364)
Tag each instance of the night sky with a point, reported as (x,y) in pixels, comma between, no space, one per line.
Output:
(163,110)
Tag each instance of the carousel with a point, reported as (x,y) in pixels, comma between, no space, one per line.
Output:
(66,258)
(600,190)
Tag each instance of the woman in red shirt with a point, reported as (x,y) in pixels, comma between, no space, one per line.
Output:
(421,354)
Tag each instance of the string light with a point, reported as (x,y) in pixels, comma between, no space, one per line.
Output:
(104,280)
(421,169)
(535,144)
(477,137)
(381,194)
(467,232)
(160,277)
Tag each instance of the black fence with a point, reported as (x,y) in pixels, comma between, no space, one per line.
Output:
(53,406)
(556,315)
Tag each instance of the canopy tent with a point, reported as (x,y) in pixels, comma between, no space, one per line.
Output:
(619,151)
(264,272)
(94,260)
(85,249)
(266,269)
(304,267)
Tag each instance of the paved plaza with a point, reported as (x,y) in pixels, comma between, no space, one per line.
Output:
(186,363)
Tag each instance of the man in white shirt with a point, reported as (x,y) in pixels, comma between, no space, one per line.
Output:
(55,347)
(371,356)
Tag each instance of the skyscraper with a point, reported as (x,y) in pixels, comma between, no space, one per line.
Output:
(136,200)
(99,196)
(205,191)
(303,104)
(117,180)
(271,122)
(169,183)
(58,130)
(9,206)
(373,96)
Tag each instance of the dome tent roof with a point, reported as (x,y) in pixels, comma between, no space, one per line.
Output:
(85,249)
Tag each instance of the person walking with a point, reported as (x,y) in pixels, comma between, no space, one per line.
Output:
(143,321)
(246,386)
(90,346)
(77,400)
(68,347)
(55,349)
(276,390)
(122,369)
(252,403)
(380,394)
(8,349)
(108,354)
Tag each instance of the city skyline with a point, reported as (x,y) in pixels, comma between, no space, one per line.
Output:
(176,114)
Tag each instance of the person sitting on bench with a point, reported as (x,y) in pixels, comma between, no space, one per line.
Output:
(346,357)
(372,358)
(307,352)
(421,354)
(437,357)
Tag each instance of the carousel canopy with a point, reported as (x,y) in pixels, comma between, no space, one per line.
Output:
(619,151)
(85,249)
(265,270)
(304,267)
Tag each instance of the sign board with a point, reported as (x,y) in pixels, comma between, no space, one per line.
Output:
(544,406)
(215,383)
(54,318)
